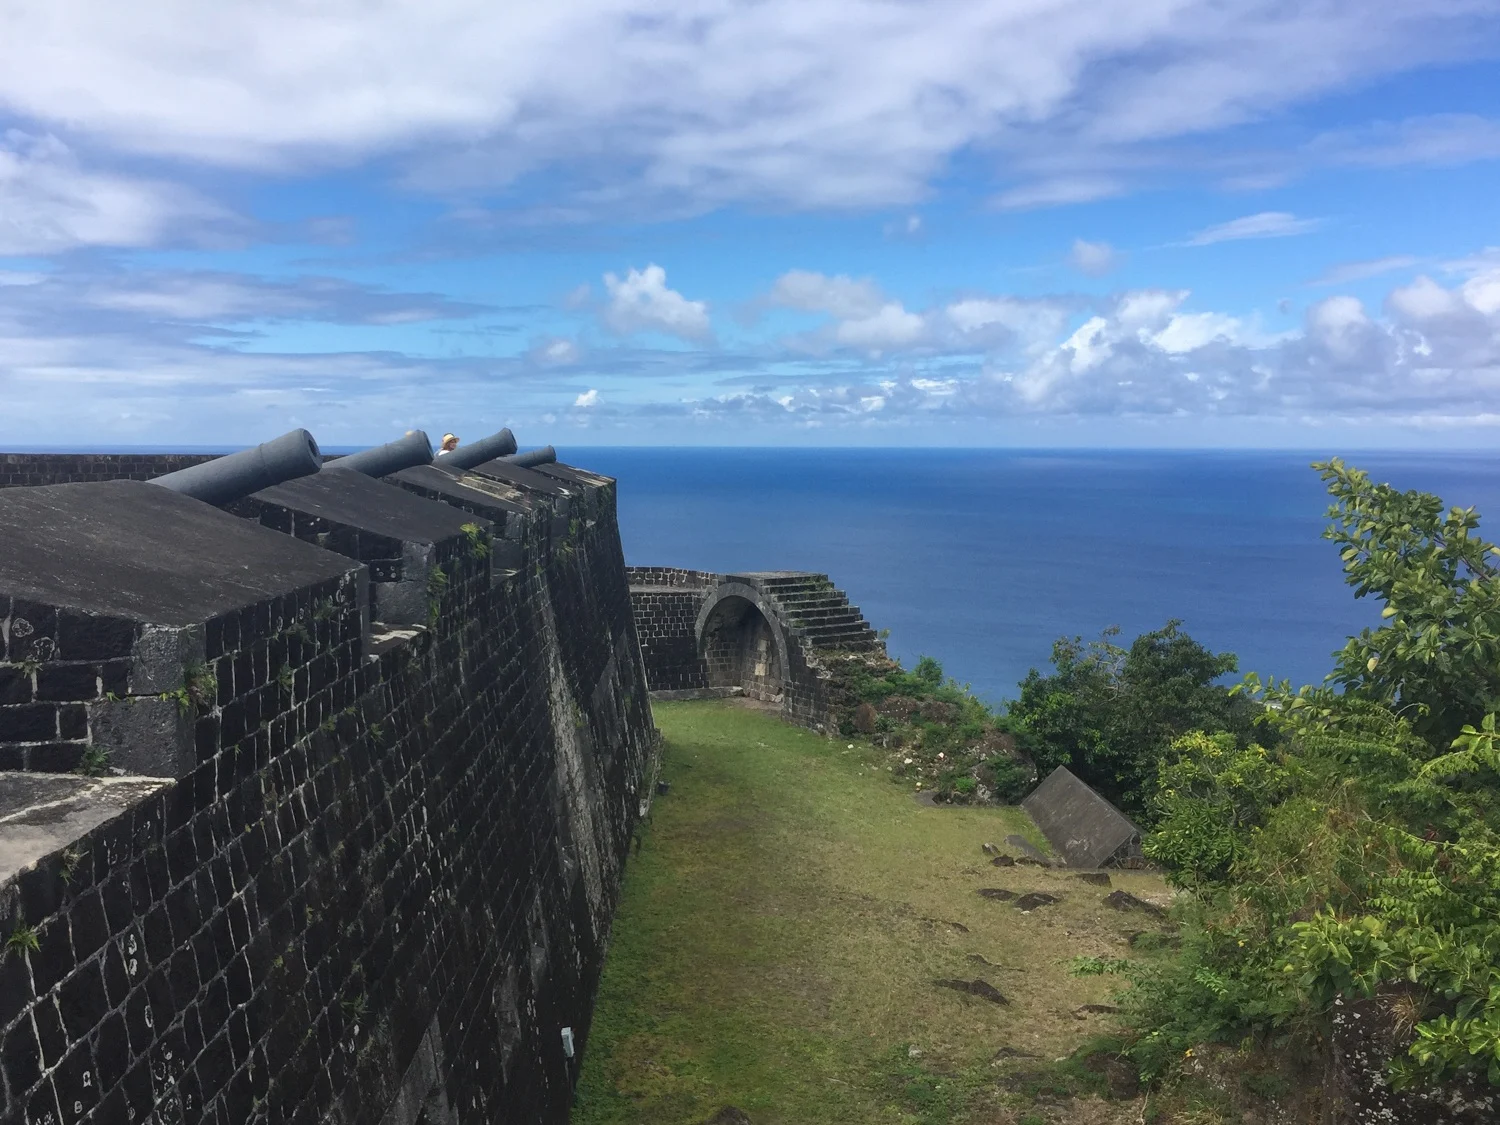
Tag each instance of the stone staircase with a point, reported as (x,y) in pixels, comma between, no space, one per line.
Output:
(818,611)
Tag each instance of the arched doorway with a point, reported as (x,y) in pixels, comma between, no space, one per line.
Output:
(741,646)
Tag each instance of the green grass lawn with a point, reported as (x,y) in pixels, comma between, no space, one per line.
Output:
(781,929)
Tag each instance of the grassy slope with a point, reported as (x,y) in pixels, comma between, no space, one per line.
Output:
(781,928)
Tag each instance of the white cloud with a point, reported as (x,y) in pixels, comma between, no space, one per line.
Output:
(1059,191)
(555,352)
(840,296)
(808,102)
(641,302)
(115,355)
(1266,224)
(890,327)
(1090,345)
(1148,309)
(1438,140)
(1093,258)
(908,229)
(49,203)
(1346,272)
(1187,332)
(864,317)
(1034,323)
(1425,299)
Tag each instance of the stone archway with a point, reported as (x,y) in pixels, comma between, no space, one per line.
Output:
(741,643)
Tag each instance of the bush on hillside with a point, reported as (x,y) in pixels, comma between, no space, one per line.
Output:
(1109,713)
(1359,857)
(938,734)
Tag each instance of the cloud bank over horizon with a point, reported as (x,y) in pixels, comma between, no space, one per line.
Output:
(795,221)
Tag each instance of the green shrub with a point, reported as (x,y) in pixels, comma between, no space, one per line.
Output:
(1007,778)
(1358,855)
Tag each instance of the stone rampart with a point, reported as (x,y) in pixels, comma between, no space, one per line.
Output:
(76,468)
(765,635)
(370,756)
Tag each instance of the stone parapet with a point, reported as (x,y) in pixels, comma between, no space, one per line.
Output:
(378,868)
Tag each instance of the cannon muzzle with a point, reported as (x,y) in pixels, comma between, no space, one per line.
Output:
(485,449)
(228,478)
(392,457)
(532,457)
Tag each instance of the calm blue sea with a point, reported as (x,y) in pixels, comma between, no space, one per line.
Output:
(982,558)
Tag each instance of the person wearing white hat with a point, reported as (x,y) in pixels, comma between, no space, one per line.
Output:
(450,443)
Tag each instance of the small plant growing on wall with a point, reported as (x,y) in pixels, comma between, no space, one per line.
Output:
(199,689)
(71,858)
(95,761)
(479,544)
(437,586)
(22,939)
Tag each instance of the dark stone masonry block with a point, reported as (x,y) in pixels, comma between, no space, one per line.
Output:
(376,866)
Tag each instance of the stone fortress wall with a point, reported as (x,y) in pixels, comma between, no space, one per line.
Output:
(317,806)
(765,635)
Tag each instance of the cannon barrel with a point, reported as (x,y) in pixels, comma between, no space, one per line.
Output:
(392,457)
(485,449)
(543,456)
(223,479)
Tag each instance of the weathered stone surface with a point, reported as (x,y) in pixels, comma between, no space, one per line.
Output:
(768,635)
(1030,853)
(385,881)
(1365,1037)
(998,894)
(1082,826)
(401,537)
(982,989)
(1124,900)
(1035,899)
(41,814)
(123,550)
(77,468)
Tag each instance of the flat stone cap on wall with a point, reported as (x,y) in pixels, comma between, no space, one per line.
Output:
(518,477)
(131,550)
(572,474)
(1083,826)
(355,500)
(473,493)
(44,813)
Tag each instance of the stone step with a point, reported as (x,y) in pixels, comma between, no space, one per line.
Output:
(841,632)
(801,590)
(823,613)
(794,588)
(835,628)
(850,644)
(812,600)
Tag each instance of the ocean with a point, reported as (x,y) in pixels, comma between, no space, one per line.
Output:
(982,558)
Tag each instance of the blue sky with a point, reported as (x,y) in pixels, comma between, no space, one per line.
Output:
(816,222)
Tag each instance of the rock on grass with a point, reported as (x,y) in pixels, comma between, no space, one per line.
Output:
(980,988)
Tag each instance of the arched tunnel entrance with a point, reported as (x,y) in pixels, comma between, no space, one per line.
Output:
(741,646)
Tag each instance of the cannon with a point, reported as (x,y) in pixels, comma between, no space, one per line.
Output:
(392,457)
(477,453)
(532,457)
(223,479)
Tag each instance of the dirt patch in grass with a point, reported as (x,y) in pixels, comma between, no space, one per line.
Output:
(783,924)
